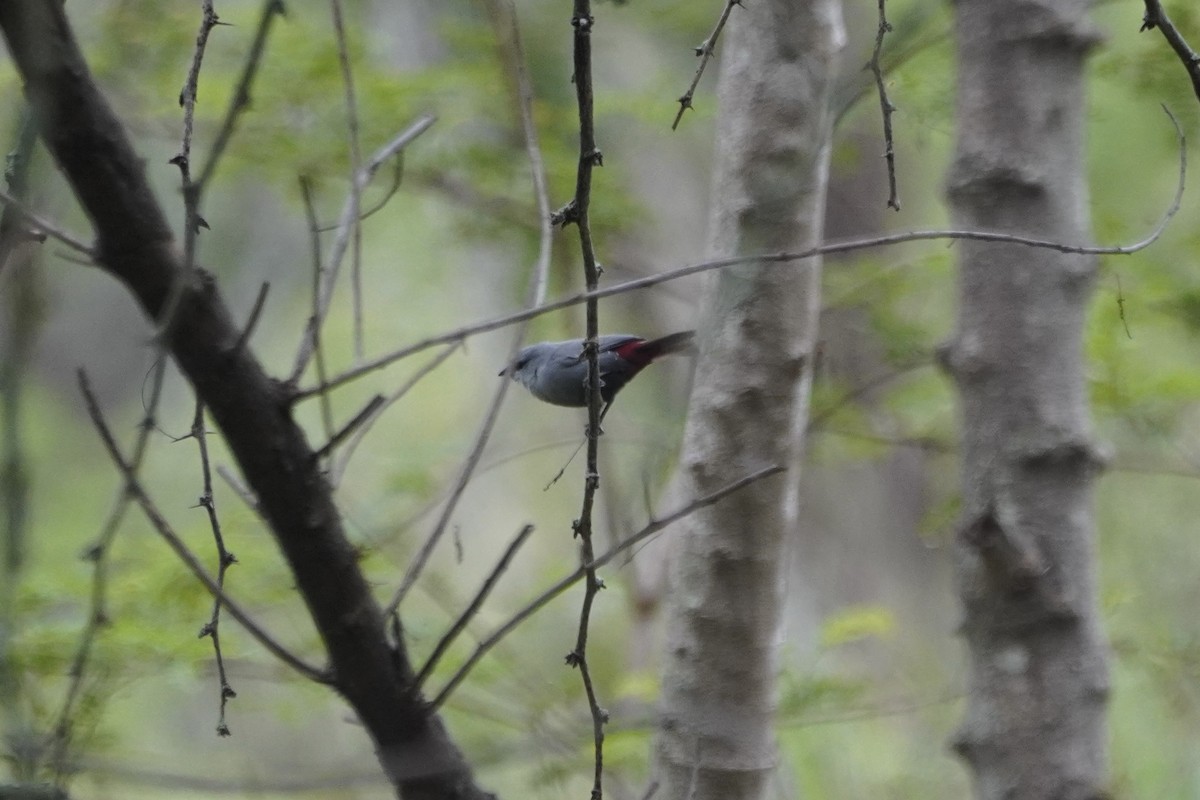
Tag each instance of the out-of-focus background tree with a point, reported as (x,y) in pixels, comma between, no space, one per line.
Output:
(872,679)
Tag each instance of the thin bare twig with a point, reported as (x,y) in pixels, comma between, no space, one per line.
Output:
(356,190)
(389,193)
(580,572)
(240,489)
(1156,17)
(537,166)
(932,444)
(260,300)
(1121,305)
(885,104)
(537,288)
(336,473)
(314,235)
(346,224)
(855,392)
(134,489)
(192,221)
(19,328)
(241,94)
(704,52)
(98,554)
(41,226)
(417,565)
(193,192)
(372,406)
(225,560)
(473,607)
(14,227)
(848,246)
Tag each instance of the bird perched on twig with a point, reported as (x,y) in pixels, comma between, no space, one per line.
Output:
(556,372)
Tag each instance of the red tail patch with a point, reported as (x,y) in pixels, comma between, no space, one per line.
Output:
(632,352)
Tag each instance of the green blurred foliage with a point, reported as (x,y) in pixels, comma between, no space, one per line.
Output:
(865,711)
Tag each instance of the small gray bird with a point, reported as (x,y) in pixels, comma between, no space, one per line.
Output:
(555,372)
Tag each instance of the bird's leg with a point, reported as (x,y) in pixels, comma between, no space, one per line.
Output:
(599,430)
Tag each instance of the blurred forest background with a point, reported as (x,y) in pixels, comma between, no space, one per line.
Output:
(872,683)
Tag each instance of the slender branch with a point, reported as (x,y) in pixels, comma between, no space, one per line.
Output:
(98,554)
(336,473)
(191,229)
(356,189)
(1121,306)
(193,192)
(417,565)
(133,487)
(535,294)
(578,212)
(314,235)
(537,165)
(260,300)
(848,246)
(225,560)
(885,104)
(818,418)
(371,408)
(240,489)
(397,179)
(704,52)
(41,226)
(14,227)
(1156,17)
(20,324)
(183,159)
(473,607)
(346,224)
(932,444)
(580,572)
(241,94)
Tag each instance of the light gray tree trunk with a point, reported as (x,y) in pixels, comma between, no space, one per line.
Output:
(1038,680)
(749,405)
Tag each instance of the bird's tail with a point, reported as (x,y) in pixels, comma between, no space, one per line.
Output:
(681,342)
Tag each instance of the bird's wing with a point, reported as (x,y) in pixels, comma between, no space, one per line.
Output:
(613,341)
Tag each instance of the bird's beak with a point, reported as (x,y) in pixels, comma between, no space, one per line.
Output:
(503,372)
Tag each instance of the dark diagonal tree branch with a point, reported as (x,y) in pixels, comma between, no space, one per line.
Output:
(134,243)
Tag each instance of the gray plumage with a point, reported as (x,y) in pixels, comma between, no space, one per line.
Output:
(556,372)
